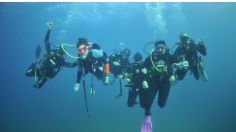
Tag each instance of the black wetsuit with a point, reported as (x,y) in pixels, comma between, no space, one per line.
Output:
(120,69)
(157,80)
(190,55)
(136,77)
(48,66)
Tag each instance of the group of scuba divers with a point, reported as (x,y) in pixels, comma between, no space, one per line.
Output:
(157,73)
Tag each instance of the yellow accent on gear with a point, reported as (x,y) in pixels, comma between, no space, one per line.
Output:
(156,67)
(71,45)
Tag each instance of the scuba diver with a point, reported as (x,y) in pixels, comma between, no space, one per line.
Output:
(134,79)
(138,88)
(120,66)
(119,63)
(159,70)
(49,65)
(188,52)
(92,59)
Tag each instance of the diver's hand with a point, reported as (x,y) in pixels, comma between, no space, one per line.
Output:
(181,65)
(126,75)
(120,76)
(185,64)
(173,80)
(76,86)
(50,24)
(116,63)
(128,80)
(106,80)
(145,84)
(144,70)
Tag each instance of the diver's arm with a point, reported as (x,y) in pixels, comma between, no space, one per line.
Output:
(147,61)
(173,59)
(201,48)
(47,44)
(70,65)
(79,73)
(96,46)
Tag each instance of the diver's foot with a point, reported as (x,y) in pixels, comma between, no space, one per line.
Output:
(36,85)
(147,124)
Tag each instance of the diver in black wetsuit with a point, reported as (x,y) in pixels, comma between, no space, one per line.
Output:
(119,63)
(49,65)
(188,51)
(158,68)
(92,59)
(134,79)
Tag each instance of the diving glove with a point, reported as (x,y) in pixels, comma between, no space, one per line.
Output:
(144,71)
(145,85)
(50,24)
(106,80)
(181,65)
(76,86)
(116,63)
(173,80)
(120,76)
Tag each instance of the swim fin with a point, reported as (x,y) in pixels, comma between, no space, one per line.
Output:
(204,76)
(147,124)
(201,71)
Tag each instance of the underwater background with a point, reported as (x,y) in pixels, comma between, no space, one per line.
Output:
(192,106)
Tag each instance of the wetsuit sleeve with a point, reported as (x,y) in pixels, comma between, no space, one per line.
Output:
(112,58)
(146,64)
(176,52)
(128,66)
(201,48)
(70,65)
(173,59)
(47,44)
(79,73)
(96,46)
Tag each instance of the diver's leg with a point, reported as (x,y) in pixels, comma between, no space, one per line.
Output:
(195,71)
(143,102)
(147,97)
(163,93)
(147,111)
(31,70)
(143,97)
(180,74)
(132,95)
(40,81)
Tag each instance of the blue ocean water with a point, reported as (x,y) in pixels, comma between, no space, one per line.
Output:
(192,106)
